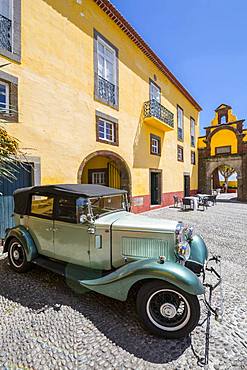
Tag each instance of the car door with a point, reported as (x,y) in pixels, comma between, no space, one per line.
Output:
(40,223)
(71,238)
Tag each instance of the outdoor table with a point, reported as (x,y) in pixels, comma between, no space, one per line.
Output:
(205,196)
(195,202)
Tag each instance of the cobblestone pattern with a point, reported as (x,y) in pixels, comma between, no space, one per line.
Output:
(46,325)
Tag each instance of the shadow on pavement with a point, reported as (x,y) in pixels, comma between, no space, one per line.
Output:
(40,290)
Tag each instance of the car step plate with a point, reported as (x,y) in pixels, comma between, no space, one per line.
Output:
(68,270)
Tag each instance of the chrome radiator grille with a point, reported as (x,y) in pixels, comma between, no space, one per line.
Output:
(143,247)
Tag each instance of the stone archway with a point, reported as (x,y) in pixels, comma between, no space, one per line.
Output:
(223,144)
(232,161)
(116,170)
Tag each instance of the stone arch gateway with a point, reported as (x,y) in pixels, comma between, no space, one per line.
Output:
(218,148)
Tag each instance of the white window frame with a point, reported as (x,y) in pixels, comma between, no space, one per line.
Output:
(105,134)
(153,86)
(10,15)
(11,11)
(155,145)
(98,175)
(107,46)
(180,123)
(6,109)
(192,131)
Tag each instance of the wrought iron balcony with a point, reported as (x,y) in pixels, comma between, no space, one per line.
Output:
(5,33)
(158,116)
(106,91)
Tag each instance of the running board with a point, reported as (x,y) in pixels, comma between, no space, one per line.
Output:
(68,270)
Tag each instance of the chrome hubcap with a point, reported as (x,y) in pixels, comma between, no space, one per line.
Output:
(16,255)
(168,310)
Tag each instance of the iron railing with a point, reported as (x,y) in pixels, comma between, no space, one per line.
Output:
(8,113)
(152,108)
(5,33)
(106,90)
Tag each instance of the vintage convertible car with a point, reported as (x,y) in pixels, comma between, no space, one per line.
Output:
(86,233)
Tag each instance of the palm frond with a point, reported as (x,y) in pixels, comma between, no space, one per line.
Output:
(10,156)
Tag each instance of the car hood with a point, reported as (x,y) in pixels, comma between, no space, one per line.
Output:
(130,221)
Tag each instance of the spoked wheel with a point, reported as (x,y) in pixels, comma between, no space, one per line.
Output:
(166,310)
(17,256)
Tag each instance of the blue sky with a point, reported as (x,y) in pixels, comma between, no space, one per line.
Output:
(203,42)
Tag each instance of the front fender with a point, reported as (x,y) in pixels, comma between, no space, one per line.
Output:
(118,283)
(198,250)
(20,233)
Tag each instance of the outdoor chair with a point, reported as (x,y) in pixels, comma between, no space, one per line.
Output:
(176,201)
(212,199)
(202,202)
(186,204)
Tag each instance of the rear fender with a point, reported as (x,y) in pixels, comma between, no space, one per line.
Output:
(20,233)
(118,283)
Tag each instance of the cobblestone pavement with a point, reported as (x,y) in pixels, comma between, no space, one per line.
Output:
(46,325)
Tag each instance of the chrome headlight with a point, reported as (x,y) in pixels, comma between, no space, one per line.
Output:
(183,250)
(183,236)
(189,233)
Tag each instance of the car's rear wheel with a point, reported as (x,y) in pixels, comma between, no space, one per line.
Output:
(166,310)
(17,256)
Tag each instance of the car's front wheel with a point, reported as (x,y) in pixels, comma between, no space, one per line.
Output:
(17,256)
(166,310)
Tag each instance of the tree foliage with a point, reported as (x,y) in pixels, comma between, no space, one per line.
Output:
(9,151)
(226,172)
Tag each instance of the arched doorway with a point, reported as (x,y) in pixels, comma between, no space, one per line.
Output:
(106,168)
(214,180)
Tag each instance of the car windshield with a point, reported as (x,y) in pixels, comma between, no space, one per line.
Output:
(108,204)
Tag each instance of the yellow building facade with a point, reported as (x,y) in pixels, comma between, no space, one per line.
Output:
(90,102)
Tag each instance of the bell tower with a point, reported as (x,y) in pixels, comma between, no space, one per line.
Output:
(223,115)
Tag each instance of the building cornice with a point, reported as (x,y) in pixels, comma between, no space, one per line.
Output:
(226,124)
(124,25)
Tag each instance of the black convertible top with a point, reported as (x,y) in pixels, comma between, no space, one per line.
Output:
(22,196)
